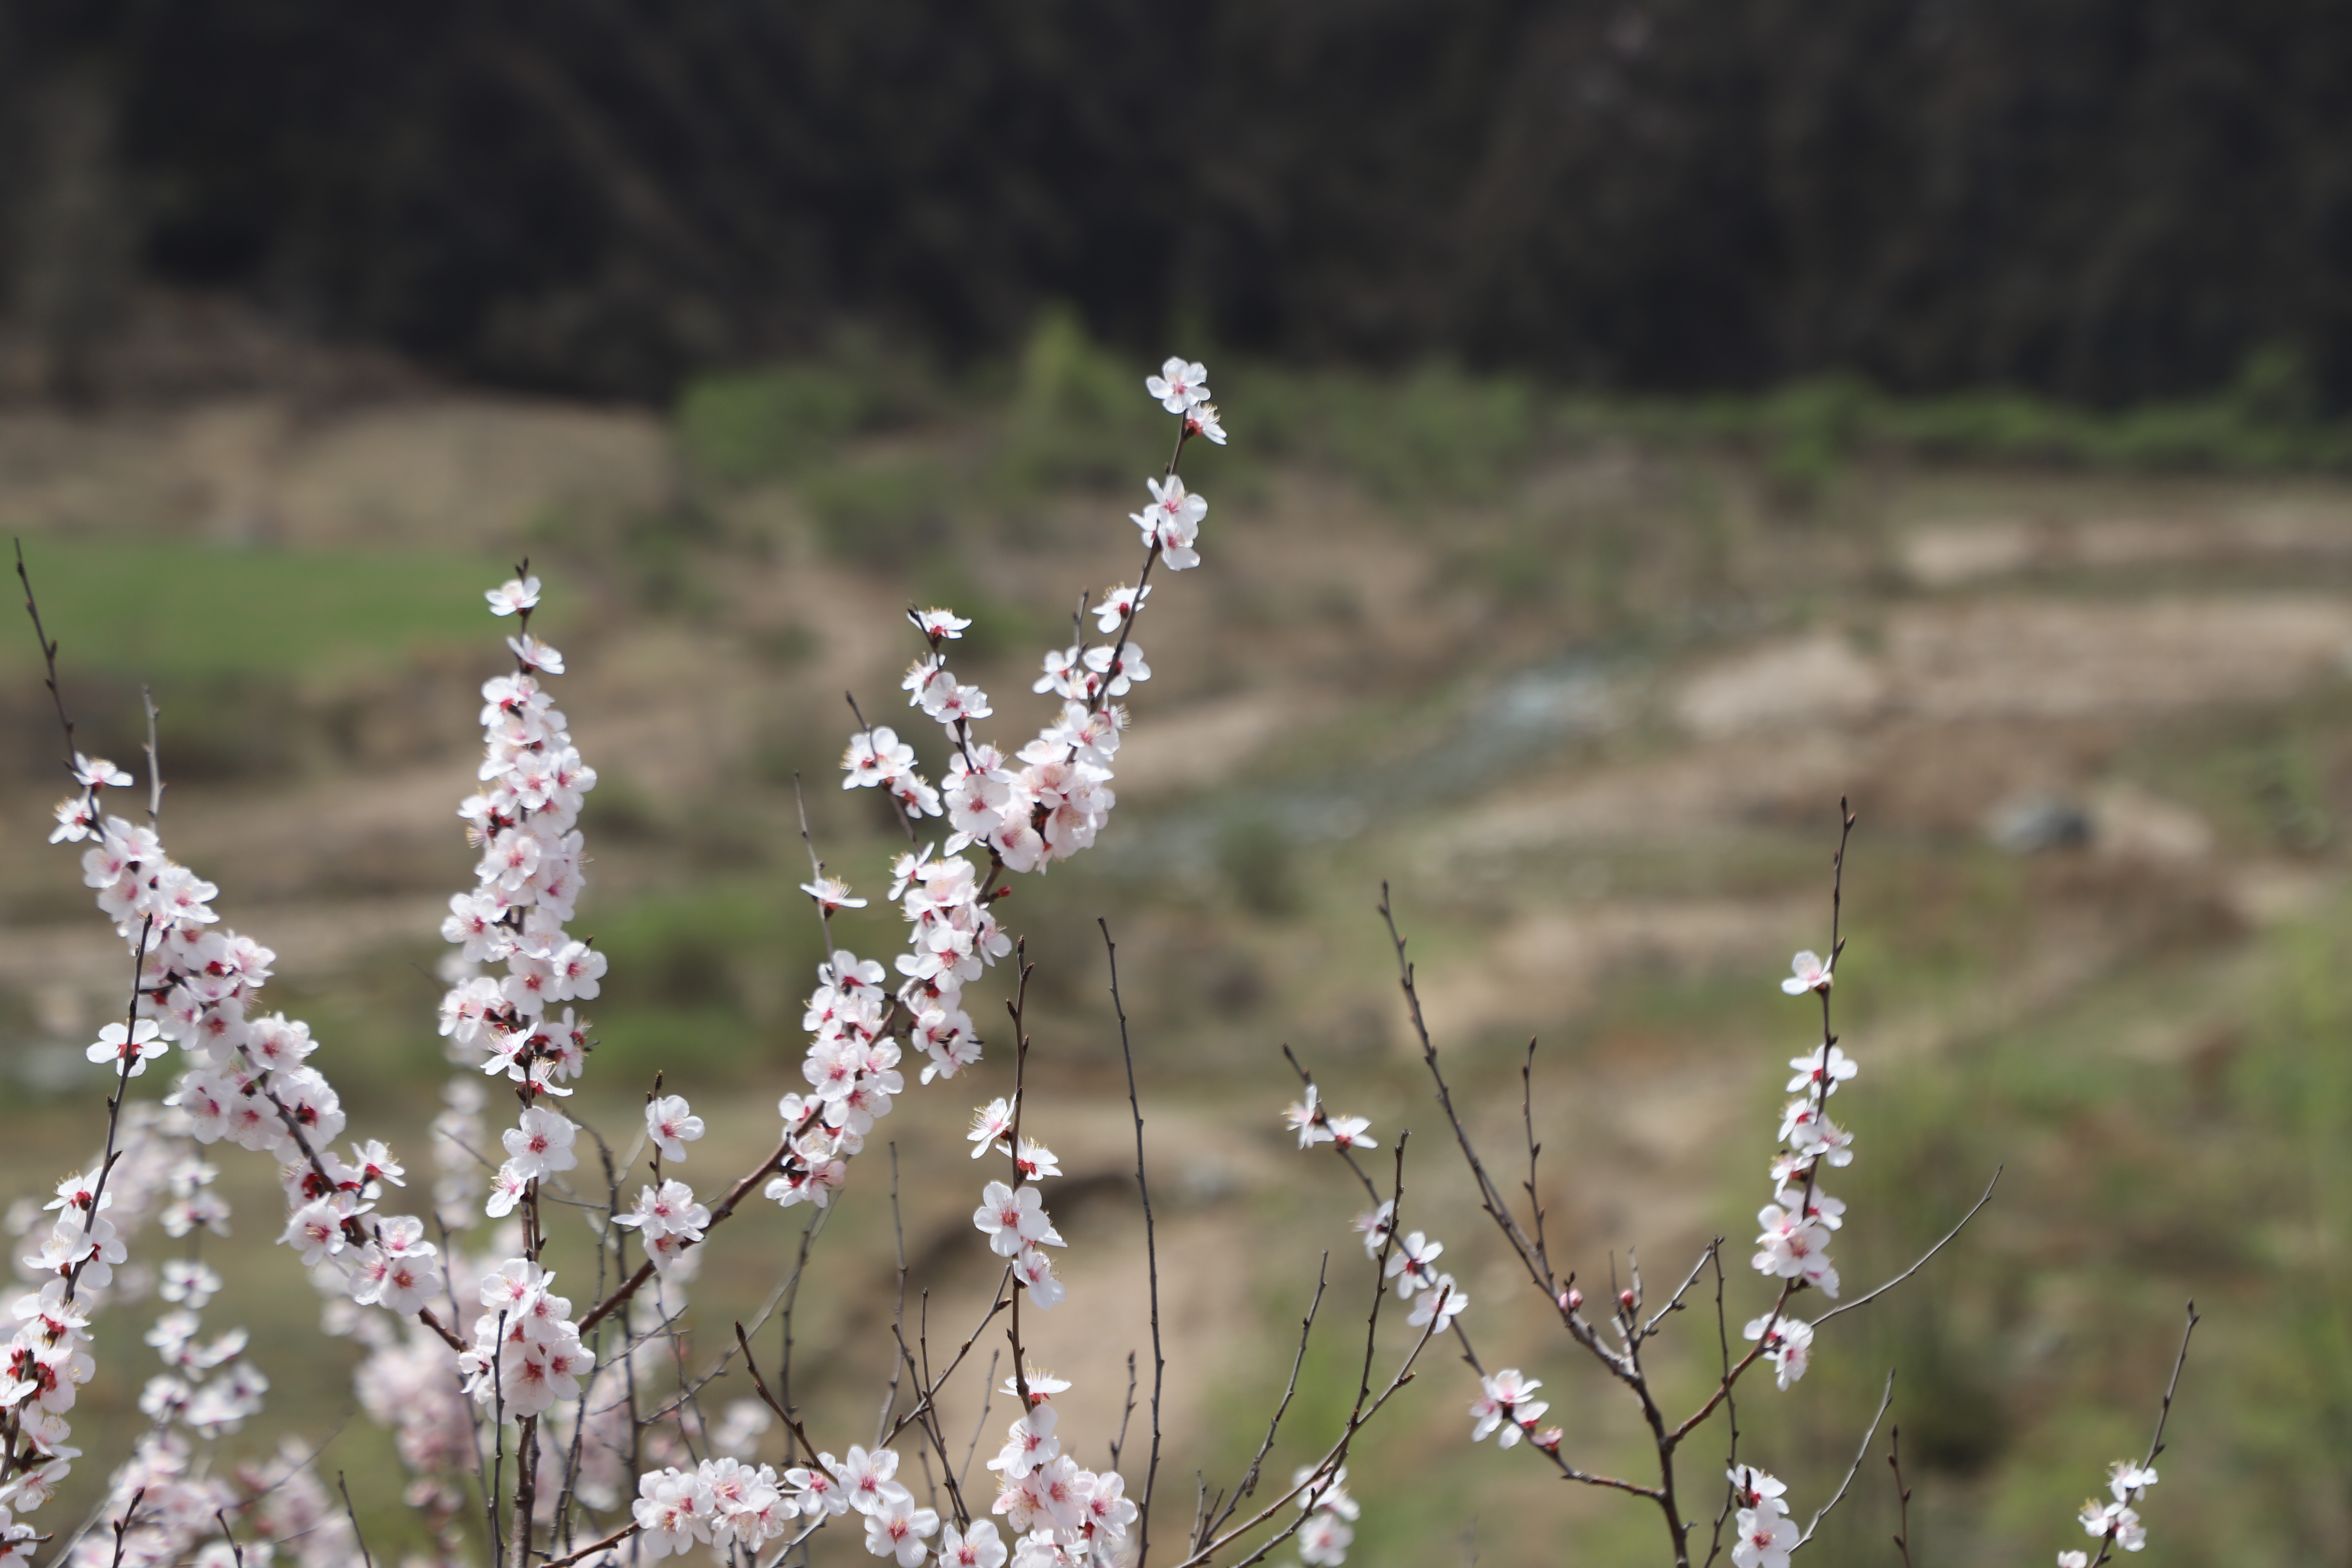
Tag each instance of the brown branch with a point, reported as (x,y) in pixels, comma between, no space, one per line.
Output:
(1306,1328)
(727,1206)
(1902,1494)
(1151,1262)
(1921,1261)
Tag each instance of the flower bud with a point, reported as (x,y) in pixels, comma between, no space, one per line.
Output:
(1570,1300)
(1625,1299)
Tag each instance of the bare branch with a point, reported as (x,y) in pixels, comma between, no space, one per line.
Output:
(1921,1262)
(1151,1242)
(1902,1494)
(1854,1470)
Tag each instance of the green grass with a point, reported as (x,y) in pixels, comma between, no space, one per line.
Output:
(159,609)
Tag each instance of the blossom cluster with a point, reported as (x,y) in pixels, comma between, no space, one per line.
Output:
(249,1078)
(1794,1240)
(1012,1214)
(1765,1532)
(665,1217)
(181,1504)
(1329,1527)
(523,820)
(2116,1519)
(852,1069)
(1062,1515)
(1045,803)
(1411,1258)
(721,1502)
(526,1354)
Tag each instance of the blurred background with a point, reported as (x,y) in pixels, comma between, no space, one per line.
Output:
(1651,421)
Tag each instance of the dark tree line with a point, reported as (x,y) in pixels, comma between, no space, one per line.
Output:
(2108,200)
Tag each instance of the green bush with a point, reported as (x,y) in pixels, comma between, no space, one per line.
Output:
(882,514)
(781,420)
(1079,415)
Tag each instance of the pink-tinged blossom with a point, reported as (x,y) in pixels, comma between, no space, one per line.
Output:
(1806,973)
(669,1512)
(1202,421)
(188,1281)
(532,653)
(1788,1345)
(938,623)
(2128,1479)
(992,1126)
(1180,385)
(1324,1539)
(875,756)
(1791,1248)
(130,1049)
(1118,605)
(1329,1494)
(671,1125)
(1012,1218)
(1765,1539)
(77,818)
(979,1547)
(1043,1384)
(666,1211)
(1377,1225)
(1307,1119)
(1508,1404)
(1172,522)
(1035,1272)
(1412,1263)
(577,972)
(1029,1442)
(96,772)
(1821,1073)
(2116,1521)
(316,1231)
(1353,1132)
(1440,1304)
(832,893)
(541,1144)
(1133,669)
(866,1479)
(1820,1209)
(1065,674)
(1109,1513)
(896,1528)
(513,596)
(1756,1488)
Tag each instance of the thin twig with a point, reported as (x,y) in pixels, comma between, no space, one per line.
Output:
(2155,1444)
(235,1552)
(592,1548)
(1902,1494)
(1854,1470)
(1150,1254)
(155,765)
(1306,1328)
(349,1512)
(817,867)
(1921,1262)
